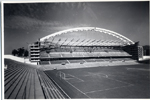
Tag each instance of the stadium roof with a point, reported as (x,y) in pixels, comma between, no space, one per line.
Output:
(86,36)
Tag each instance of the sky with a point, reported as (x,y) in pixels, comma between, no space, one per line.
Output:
(25,23)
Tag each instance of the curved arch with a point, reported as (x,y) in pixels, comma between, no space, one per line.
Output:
(109,32)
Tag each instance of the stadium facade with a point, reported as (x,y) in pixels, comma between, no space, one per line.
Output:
(55,47)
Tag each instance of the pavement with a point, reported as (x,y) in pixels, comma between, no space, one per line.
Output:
(86,65)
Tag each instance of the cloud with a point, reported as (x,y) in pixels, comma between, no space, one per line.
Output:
(26,22)
(22,22)
(71,5)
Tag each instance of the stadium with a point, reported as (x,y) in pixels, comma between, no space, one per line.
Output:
(83,62)
(103,44)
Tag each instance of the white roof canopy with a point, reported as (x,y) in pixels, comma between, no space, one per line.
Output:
(79,40)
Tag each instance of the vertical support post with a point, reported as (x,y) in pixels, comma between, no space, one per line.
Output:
(140,52)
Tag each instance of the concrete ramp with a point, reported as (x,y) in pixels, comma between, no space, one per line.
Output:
(145,58)
(19,59)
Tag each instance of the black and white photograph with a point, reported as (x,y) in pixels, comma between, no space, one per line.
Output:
(76,50)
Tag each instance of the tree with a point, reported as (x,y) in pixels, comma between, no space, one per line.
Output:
(26,53)
(21,52)
(14,52)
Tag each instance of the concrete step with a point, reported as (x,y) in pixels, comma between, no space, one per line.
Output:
(20,85)
(22,90)
(13,85)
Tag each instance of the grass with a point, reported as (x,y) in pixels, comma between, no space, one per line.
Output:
(127,81)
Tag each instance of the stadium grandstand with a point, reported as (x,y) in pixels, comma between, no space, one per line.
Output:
(84,62)
(83,44)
